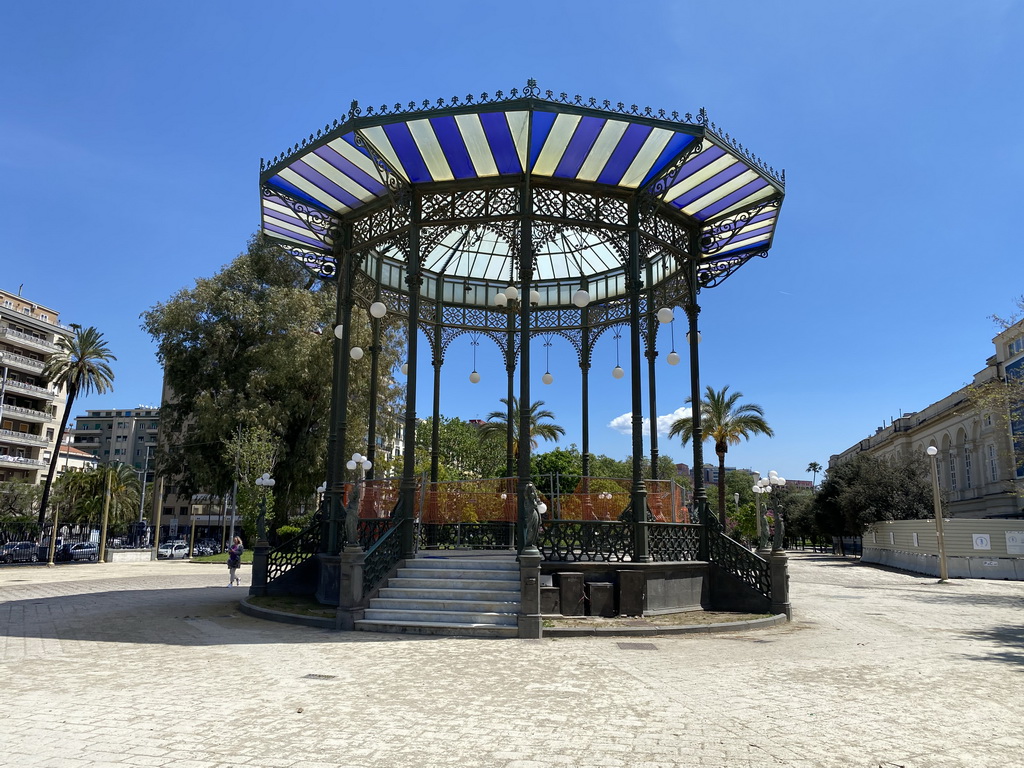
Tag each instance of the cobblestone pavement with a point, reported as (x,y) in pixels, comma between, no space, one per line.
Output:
(152,664)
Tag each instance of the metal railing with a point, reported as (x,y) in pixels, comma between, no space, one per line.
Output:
(735,559)
(29,412)
(9,358)
(12,384)
(585,540)
(384,555)
(28,437)
(295,551)
(671,542)
(27,338)
(7,458)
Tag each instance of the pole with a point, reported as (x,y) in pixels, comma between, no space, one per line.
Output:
(939,533)
(53,536)
(158,495)
(106,512)
(142,496)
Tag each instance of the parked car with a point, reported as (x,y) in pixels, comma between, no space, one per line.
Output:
(172,550)
(85,550)
(211,545)
(20,552)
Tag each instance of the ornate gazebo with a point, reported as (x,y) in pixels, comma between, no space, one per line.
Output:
(510,216)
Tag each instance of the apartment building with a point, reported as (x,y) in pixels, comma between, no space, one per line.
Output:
(127,436)
(30,408)
(980,457)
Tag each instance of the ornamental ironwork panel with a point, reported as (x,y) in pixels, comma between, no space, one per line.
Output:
(585,540)
(734,558)
(672,542)
(381,558)
(294,552)
(490,535)
(581,207)
(468,206)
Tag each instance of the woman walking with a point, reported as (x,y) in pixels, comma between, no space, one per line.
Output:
(234,561)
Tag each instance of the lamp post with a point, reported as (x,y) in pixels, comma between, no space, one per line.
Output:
(265,481)
(763,486)
(932,452)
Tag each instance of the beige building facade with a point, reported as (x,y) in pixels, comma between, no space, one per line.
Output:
(31,409)
(979,452)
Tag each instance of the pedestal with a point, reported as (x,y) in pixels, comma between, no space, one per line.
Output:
(778,562)
(350,588)
(260,565)
(529,594)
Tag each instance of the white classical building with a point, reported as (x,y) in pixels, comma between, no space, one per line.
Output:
(981,454)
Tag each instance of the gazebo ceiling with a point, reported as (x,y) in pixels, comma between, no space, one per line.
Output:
(698,177)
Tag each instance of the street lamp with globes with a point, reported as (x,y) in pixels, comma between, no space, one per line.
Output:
(763,486)
(265,481)
(932,452)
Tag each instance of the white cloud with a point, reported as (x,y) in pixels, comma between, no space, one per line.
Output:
(624,423)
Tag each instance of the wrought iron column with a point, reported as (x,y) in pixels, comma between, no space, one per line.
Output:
(700,497)
(342,363)
(526,278)
(371,433)
(414,279)
(585,393)
(652,356)
(437,360)
(634,284)
(510,369)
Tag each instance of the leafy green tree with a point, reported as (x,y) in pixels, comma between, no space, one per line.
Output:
(557,471)
(81,494)
(867,489)
(726,422)
(18,500)
(253,451)
(464,451)
(252,346)
(540,421)
(81,365)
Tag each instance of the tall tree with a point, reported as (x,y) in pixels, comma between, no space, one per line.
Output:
(726,421)
(814,468)
(252,346)
(81,365)
(540,420)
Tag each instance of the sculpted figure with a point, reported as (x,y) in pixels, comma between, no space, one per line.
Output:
(531,525)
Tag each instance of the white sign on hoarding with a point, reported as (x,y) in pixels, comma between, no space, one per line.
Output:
(982,541)
(172,528)
(1015,542)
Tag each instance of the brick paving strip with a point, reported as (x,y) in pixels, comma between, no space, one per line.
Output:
(152,664)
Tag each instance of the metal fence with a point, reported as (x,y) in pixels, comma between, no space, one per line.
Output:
(74,542)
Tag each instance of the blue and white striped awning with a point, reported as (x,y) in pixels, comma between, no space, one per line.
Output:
(689,167)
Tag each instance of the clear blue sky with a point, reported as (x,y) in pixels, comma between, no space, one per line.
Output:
(900,126)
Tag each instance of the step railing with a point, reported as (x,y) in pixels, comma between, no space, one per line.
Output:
(672,542)
(383,556)
(585,540)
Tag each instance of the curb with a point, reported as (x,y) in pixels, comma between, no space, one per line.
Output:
(285,618)
(691,629)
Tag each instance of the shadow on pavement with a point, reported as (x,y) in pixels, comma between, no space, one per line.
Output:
(1010,637)
(194,616)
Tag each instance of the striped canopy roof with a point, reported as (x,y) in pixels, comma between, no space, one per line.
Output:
(684,162)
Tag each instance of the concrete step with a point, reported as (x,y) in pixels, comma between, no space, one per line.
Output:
(416,572)
(444,602)
(482,564)
(403,582)
(437,628)
(444,617)
(499,595)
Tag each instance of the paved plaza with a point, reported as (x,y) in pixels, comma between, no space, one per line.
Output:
(152,664)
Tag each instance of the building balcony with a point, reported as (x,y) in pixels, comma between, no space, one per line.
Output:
(27,414)
(26,340)
(86,441)
(21,438)
(31,389)
(20,461)
(20,363)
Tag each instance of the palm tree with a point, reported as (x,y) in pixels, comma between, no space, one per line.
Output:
(814,467)
(80,365)
(497,424)
(725,422)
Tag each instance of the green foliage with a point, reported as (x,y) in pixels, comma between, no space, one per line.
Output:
(557,471)
(253,346)
(18,500)
(286,532)
(866,489)
(464,452)
(80,494)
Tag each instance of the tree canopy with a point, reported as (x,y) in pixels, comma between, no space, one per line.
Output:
(867,489)
(252,347)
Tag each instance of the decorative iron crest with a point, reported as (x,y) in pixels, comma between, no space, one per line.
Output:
(713,273)
(322,265)
(398,188)
(652,192)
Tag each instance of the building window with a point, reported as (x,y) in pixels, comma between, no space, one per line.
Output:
(44,317)
(8,303)
(967,467)
(993,465)
(1016,346)
(988,419)
(26,311)
(952,473)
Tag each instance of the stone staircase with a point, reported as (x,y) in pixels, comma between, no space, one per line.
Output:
(436,595)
